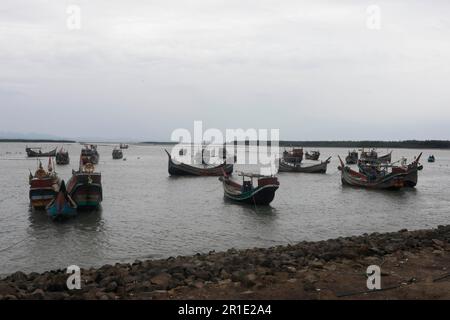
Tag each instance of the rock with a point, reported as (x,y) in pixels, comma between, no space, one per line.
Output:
(10,297)
(162,280)
(6,289)
(112,286)
(316,264)
(18,276)
(38,294)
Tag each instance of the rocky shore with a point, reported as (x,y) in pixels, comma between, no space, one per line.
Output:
(414,265)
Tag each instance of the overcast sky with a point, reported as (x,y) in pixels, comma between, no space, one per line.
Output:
(140,69)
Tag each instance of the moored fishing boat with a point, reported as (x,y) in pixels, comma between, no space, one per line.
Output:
(305,168)
(123,146)
(62,206)
(295,155)
(89,154)
(261,194)
(182,169)
(312,155)
(43,186)
(85,187)
(410,171)
(352,157)
(370,181)
(117,154)
(37,152)
(62,157)
(431,158)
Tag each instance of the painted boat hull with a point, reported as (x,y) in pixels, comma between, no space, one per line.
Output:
(86,190)
(42,192)
(356,179)
(181,169)
(261,195)
(315,168)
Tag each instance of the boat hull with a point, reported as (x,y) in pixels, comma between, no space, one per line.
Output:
(355,179)
(315,168)
(33,154)
(263,195)
(181,169)
(86,190)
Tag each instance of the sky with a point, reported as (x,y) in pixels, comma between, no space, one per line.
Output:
(138,70)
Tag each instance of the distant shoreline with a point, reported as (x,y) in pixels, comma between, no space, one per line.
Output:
(406,144)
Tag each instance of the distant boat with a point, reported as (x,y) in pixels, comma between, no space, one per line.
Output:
(372,157)
(182,169)
(261,194)
(312,155)
(85,187)
(117,154)
(295,155)
(312,168)
(43,186)
(89,154)
(62,157)
(431,158)
(352,157)
(62,206)
(123,146)
(37,152)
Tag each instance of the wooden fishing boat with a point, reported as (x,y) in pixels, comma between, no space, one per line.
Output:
(372,154)
(62,157)
(37,153)
(411,171)
(431,158)
(293,156)
(261,194)
(374,159)
(117,154)
(306,168)
(182,169)
(89,154)
(123,146)
(43,186)
(62,206)
(312,155)
(352,157)
(85,187)
(358,179)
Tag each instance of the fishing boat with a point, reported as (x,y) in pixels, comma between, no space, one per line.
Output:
(89,154)
(371,181)
(295,155)
(62,157)
(37,153)
(306,168)
(85,187)
(409,171)
(43,186)
(369,155)
(182,169)
(261,194)
(123,146)
(312,155)
(431,158)
(352,157)
(62,206)
(117,154)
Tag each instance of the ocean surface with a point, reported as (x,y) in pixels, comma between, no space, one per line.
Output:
(146,214)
